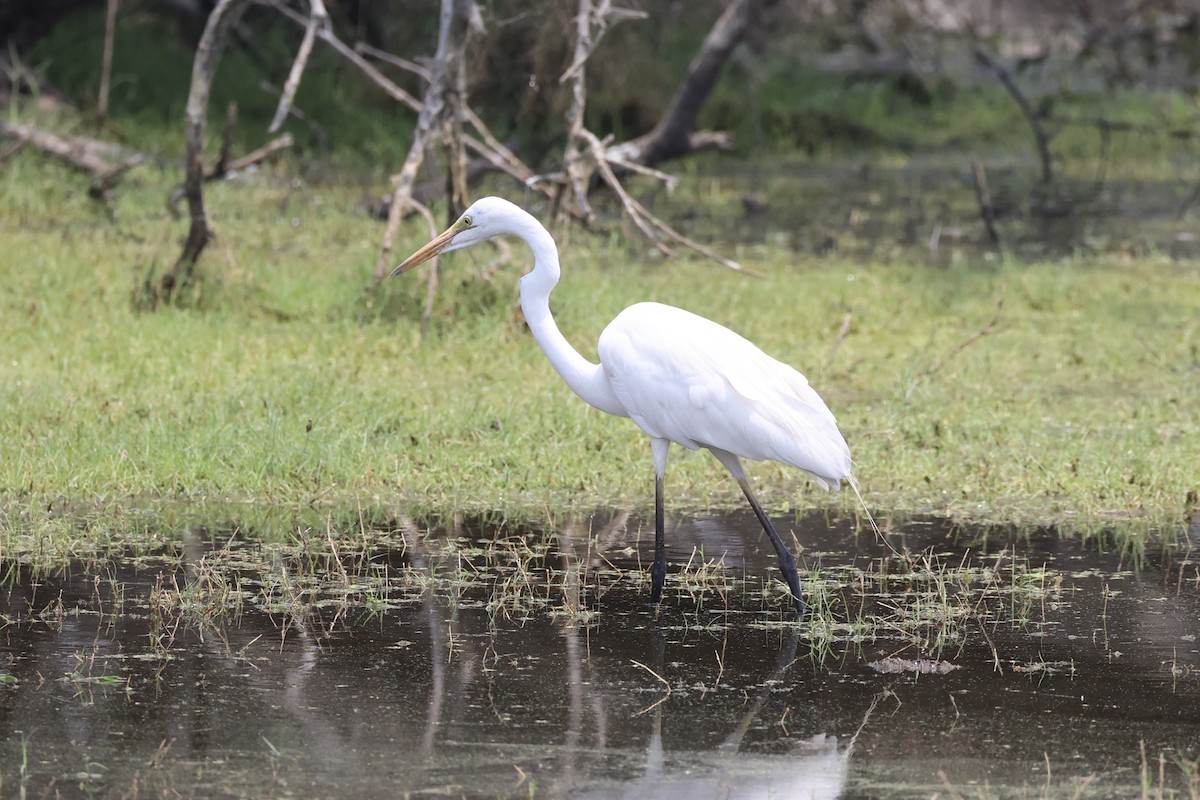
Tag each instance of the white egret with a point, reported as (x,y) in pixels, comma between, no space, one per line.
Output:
(680,377)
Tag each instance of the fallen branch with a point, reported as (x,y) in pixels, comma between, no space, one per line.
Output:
(81,152)
(254,156)
(675,133)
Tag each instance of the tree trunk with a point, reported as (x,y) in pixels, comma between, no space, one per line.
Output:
(675,134)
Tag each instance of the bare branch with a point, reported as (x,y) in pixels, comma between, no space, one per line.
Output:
(318,19)
(208,55)
(434,266)
(441,112)
(254,156)
(342,49)
(110,27)
(81,152)
(1039,133)
(490,148)
(579,172)
(647,222)
(983,194)
(396,61)
(231,118)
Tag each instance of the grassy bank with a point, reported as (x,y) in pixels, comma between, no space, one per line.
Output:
(287,384)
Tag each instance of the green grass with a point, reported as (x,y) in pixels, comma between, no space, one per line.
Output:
(287,384)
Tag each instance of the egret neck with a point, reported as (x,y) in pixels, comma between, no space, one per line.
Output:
(585,378)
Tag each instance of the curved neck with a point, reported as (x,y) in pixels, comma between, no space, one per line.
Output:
(585,378)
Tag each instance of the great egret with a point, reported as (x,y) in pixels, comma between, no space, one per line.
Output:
(680,377)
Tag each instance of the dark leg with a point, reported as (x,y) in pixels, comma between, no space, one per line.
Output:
(787,563)
(658,572)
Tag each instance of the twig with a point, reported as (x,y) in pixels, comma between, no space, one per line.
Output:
(312,124)
(500,157)
(223,168)
(396,61)
(986,330)
(843,331)
(110,26)
(231,119)
(318,19)
(254,156)
(984,196)
(434,265)
(661,680)
(648,222)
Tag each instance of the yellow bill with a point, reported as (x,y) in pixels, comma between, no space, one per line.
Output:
(430,250)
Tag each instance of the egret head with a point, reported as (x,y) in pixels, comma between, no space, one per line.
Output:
(487,217)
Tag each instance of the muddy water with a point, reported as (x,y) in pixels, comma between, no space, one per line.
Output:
(1045,668)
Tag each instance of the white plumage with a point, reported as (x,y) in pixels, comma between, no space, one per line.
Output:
(685,378)
(680,377)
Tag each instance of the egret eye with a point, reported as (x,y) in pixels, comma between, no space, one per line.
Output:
(466,222)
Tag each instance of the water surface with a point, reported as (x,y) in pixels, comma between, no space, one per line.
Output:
(482,661)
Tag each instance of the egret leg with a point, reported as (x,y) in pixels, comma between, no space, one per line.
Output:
(658,572)
(787,562)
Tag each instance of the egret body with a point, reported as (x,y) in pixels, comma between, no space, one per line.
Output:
(680,377)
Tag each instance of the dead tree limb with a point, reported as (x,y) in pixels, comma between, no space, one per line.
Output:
(269,149)
(440,116)
(204,67)
(396,61)
(110,29)
(987,211)
(675,133)
(1010,85)
(318,19)
(226,166)
(81,152)
(231,117)
(486,146)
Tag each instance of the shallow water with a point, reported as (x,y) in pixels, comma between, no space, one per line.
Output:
(926,208)
(1028,667)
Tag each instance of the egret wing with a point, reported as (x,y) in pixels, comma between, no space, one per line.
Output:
(685,378)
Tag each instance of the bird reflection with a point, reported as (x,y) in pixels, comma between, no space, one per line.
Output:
(814,768)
